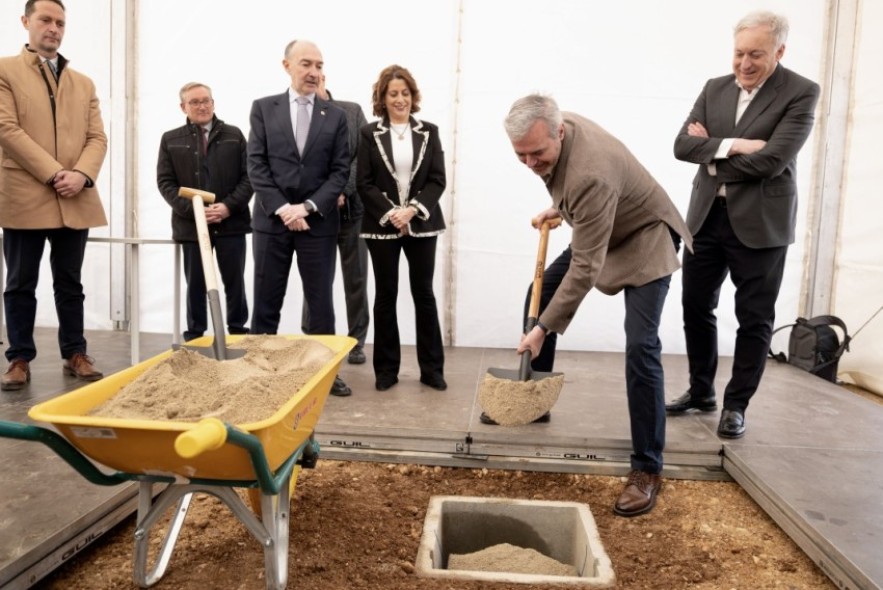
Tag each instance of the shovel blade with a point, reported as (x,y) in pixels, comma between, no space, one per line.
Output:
(513,374)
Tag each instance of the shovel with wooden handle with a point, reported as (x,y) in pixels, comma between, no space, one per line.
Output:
(219,349)
(524,373)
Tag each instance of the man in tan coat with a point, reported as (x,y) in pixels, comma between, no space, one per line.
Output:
(626,233)
(52,145)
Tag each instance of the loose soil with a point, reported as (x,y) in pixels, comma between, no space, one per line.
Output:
(358,525)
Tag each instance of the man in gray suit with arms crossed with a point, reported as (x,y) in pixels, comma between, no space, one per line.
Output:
(744,131)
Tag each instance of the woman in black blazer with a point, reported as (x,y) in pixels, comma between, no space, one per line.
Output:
(401,177)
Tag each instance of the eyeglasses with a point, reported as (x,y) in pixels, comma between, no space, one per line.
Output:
(199,103)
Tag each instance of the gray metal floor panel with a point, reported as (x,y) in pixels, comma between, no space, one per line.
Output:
(811,456)
(827,501)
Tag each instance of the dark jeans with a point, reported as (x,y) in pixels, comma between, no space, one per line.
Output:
(645,386)
(385,256)
(230,255)
(757,275)
(354,269)
(644,377)
(23,250)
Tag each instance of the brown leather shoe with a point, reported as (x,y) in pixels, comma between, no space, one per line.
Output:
(17,375)
(81,366)
(639,494)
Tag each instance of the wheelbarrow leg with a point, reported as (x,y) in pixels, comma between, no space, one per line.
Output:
(148,514)
(271,531)
(275,514)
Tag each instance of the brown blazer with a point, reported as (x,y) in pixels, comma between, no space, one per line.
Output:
(620,218)
(33,147)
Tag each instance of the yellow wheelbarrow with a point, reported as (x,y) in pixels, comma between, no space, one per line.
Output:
(209,457)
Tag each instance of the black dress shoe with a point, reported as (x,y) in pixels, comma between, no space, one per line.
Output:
(732,424)
(357,356)
(340,389)
(688,402)
(485,419)
(434,381)
(384,382)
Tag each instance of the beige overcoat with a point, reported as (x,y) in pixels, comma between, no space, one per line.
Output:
(34,147)
(620,218)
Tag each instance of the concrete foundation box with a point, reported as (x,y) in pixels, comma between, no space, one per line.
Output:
(564,531)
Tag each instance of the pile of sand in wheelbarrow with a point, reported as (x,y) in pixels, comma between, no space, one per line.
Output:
(510,402)
(189,386)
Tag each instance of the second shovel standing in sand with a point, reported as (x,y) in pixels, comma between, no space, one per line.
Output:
(219,348)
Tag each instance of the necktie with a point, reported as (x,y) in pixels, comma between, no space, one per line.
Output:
(303,123)
(52,69)
(203,141)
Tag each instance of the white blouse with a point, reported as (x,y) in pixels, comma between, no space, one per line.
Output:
(402,158)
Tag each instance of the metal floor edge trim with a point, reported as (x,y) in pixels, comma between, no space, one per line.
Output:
(557,450)
(56,550)
(841,571)
(515,462)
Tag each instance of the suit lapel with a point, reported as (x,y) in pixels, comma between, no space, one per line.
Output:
(317,122)
(383,139)
(725,113)
(765,97)
(420,138)
(282,115)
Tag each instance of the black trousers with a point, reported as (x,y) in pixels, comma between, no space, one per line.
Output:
(354,269)
(757,275)
(23,250)
(230,256)
(385,256)
(273,256)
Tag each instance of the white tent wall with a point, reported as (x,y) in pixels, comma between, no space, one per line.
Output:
(858,291)
(635,67)
(243,61)
(616,63)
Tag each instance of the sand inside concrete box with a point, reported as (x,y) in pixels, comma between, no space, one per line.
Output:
(512,403)
(512,559)
(189,386)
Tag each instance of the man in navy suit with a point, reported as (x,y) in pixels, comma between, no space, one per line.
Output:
(298,164)
(744,131)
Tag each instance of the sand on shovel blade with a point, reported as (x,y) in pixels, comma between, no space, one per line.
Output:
(514,403)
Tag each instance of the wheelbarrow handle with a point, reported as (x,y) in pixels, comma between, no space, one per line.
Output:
(208,434)
(63,449)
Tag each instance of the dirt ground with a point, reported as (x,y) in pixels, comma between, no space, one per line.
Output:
(358,525)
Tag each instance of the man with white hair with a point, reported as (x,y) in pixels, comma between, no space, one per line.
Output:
(744,131)
(625,238)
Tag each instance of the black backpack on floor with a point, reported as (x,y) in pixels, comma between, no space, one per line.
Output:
(814,345)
